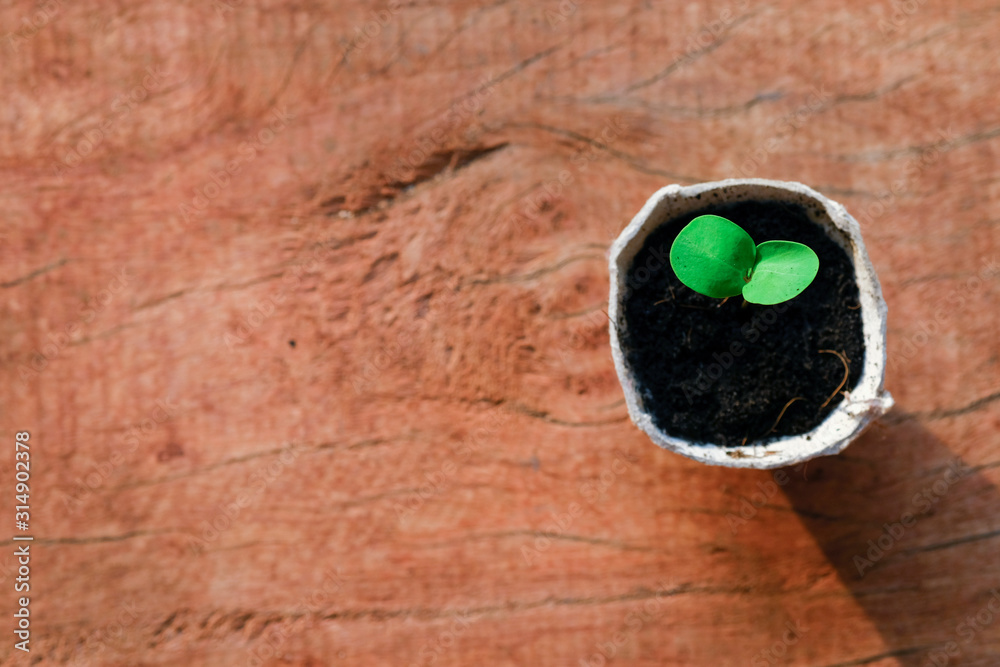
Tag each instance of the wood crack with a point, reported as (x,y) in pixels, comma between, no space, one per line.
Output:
(96,539)
(585,539)
(690,57)
(527,277)
(34,274)
(953,543)
(444,160)
(942,413)
(898,653)
(630,160)
(920,149)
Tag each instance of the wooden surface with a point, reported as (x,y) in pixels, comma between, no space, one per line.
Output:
(440,470)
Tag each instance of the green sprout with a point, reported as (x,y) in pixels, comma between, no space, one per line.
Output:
(717,258)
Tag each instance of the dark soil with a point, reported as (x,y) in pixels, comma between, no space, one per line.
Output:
(721,373)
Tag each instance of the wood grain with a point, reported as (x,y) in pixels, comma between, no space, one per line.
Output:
(306,325)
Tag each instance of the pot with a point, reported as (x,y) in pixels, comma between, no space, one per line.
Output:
(864,402)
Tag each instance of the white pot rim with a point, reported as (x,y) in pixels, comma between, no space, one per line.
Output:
(868,401)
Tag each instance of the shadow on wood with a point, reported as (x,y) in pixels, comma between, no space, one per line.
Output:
(900,517)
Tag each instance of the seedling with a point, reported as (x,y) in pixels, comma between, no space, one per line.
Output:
(716,257)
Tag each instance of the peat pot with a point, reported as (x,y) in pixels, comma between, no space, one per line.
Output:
(732,383)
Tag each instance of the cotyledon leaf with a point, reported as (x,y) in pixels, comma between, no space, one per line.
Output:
(782,270)
(713,256)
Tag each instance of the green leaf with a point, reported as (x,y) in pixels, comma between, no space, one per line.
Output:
(712,256)
(782,270)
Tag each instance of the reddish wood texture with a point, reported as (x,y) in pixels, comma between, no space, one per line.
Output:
(440,469)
